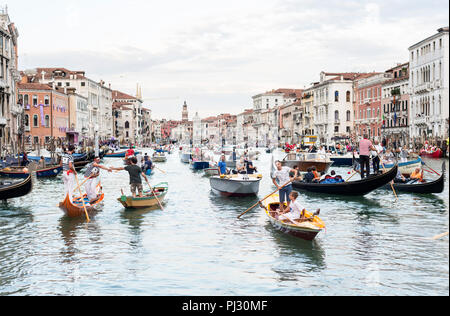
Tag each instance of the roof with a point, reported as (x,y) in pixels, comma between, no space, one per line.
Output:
(117,95)
(49,72)
(34,86)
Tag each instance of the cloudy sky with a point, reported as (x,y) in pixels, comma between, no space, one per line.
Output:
(217,54)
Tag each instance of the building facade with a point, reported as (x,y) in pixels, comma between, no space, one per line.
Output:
(429,83)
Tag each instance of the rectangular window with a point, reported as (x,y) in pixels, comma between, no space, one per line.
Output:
(35,100)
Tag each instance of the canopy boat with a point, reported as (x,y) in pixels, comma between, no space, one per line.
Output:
(436,186)
(15,189)
(236,185)
(159,157)
(76,208)
(305,161)
(17,172)
(149,200)
(307,230)
(438,153)
(354,188)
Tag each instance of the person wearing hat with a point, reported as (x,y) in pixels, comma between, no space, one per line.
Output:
(69,171)
(92,174)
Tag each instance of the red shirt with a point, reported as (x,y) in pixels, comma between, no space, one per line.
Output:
(130,152)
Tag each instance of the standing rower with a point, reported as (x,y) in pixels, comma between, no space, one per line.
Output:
(69,171)
(92,174)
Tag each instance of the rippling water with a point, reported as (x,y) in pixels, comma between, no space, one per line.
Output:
(372,246)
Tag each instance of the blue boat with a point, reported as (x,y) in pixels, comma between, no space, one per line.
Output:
(199,165)
(17,173)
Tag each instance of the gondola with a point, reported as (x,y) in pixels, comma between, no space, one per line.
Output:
(15,189)
(354,188)
(422,188)
(76,209)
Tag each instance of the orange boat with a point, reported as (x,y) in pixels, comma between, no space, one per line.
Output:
(76,208)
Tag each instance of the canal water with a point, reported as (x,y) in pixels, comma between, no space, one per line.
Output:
(373,245)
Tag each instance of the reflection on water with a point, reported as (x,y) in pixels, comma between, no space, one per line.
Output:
(198,246)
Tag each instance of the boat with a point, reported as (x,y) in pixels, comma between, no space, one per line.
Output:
(346,160)
(354,188)
(199,165)
(212,172)
(121,154)
(79,165)
(186,157)
(304,161)
(306,230)
(436,186)
(406,168)
(15,189)
(148,200)
(76,208)
(236,185)
(159,157)
(17,172)
(437,154)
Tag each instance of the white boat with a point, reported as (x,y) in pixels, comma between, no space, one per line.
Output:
(211,172)
(236,185)
(186,157)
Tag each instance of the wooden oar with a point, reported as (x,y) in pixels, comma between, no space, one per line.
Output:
(82,199)
(81,184)
(431,168)
(251,208)
(440,236)
(392,182)
(356,172)
(154,193)
(160,169)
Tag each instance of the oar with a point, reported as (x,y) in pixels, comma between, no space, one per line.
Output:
(392,182)
(82,200)
(440,236)
(160,169)
(431,168)
(154,193)
(354,174)
(81,184)
(251,208)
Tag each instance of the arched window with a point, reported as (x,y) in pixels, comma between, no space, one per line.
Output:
(47,121)
(336,116)
(35,121)
(349,96)
(127,125)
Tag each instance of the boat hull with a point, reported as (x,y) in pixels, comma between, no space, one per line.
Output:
(43,173)
(147,202)
(75,209)
(307,231)
(15,189)
(185,158)
(235,187)
(119,155)
(212,172)
(199,165)
(436,155)
(407,168)
(355,188)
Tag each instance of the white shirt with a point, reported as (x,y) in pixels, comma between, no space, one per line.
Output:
(296,209)
(379,149)
(282,176)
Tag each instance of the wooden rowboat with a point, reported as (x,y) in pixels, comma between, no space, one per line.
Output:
(76,209)
(149,200)
(15,189)
(307,230)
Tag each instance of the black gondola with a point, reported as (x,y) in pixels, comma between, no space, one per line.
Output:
(423,188)
(355,188)
(15,189)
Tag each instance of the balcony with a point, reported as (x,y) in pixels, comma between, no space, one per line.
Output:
(421,120)
(423,88)
(437,84)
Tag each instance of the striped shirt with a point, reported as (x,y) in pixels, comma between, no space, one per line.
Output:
(91,170)
(66,159)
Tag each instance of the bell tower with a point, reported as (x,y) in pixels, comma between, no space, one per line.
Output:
(185,113)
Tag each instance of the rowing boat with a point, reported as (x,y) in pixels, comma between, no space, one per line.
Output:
(354,188)
(307,230)
(159,158)
(148,200)
(236,185)
(438,153)
(76,208)
(15,189)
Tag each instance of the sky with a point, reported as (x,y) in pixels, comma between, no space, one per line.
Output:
(216,55)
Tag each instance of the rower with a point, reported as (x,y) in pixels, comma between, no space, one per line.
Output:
(69,171)
(92,175)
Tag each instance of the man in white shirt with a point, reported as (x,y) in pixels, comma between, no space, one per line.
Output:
(377,150)
(282,180)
